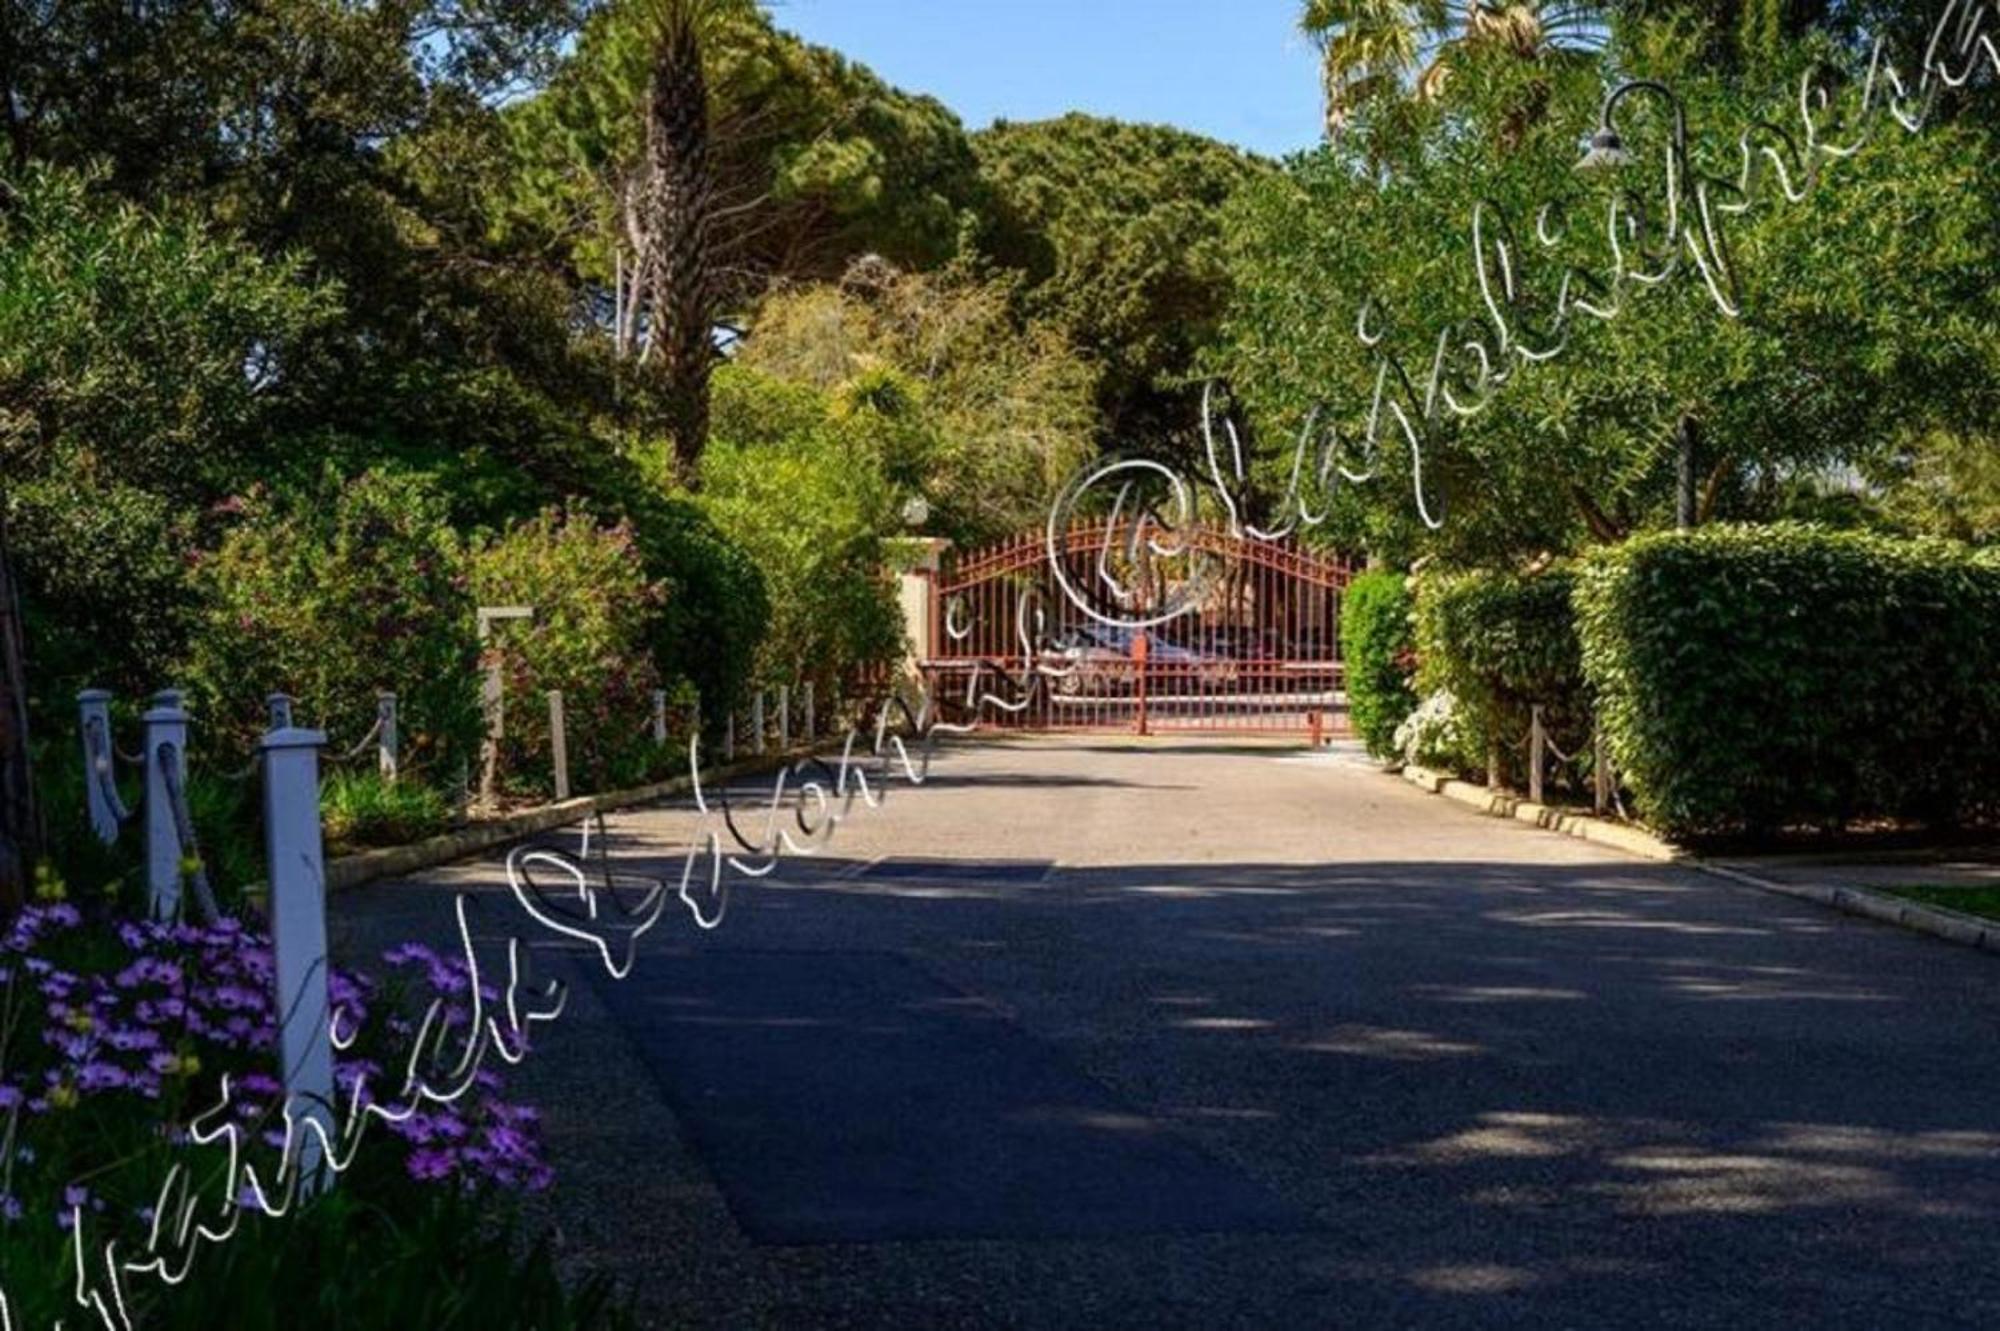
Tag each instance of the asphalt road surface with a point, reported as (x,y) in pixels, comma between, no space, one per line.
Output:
(1207,1035)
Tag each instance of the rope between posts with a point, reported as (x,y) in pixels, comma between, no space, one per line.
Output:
(101,752)
(196,869)
(367,742)
(245,772)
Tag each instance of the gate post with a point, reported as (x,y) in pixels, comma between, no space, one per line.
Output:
(917,560)
(1139,652)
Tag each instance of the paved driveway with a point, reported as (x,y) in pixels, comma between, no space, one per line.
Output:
(1207,1035)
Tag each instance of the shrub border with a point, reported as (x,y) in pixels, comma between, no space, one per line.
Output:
(368,866)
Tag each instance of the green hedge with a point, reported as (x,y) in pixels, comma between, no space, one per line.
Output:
(1500,643)
(1375,644)
(1762,677)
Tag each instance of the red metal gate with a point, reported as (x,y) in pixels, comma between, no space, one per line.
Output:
(1101,628)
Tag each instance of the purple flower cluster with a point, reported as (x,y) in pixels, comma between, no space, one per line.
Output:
(178,1004)
(479,1137)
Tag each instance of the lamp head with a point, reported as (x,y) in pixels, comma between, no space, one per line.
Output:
(1607,152)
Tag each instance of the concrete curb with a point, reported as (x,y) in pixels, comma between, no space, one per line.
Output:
(1950,925)
(396,861)
(1498,804)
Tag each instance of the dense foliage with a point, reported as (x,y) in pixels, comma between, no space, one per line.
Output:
(1376,645)
(799,484)
(1758,678)
(594,608)
(1501,644)
(981,418)
(1868,315)
(1116,229)
(333,595)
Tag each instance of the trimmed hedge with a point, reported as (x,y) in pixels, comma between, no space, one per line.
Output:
(1375,646)
(1500,643)
(1755,678)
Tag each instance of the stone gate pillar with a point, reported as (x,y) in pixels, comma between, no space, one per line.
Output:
(916,560)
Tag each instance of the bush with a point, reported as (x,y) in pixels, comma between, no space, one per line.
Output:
(1754,678)
(1501,643)
(595,609)
(1431,736)
(717,605)
(331,596)
(812,508)
(1375,644)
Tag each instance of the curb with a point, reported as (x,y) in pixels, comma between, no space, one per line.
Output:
(368,866)
(1950,925)
(1498,804)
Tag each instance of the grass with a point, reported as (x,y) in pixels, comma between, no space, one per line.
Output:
(362,810)
(1981,901)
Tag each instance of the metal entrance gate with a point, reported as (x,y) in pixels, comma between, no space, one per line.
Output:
(1207,631)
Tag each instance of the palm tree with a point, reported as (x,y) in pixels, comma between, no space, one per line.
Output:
(673,225)
(1380,48)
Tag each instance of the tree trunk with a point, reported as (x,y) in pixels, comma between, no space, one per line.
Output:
(20,826)
(679,281)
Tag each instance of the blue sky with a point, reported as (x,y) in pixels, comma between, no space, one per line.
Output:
(1236,70)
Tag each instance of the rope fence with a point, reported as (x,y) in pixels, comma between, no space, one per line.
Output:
(1540,746)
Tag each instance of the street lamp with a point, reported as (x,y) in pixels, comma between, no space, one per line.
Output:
(1607,152)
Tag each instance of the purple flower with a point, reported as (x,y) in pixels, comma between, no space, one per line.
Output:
(10,1207)
(102,1077)
(427,1165)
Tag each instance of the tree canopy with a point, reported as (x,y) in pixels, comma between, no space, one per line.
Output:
(1116,228)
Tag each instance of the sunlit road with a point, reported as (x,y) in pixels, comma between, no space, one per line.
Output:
(1206,1035)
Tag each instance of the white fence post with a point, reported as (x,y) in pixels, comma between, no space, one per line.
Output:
(385,737)
(1600,771)
(784,718)
(558,744)
(660,717)
(1538,744)
(729,740)
(810,733)
(757,723)
(166,729)
(280,705)
(93,720)
(296,862)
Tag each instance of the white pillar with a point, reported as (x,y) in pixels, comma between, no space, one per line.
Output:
(558,744)
(166,728)
(385,736)
(810,734)
(93,723)
(784,718)
(729,740)
(1538,745)
(757,723)
(660,717)
(296,862)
